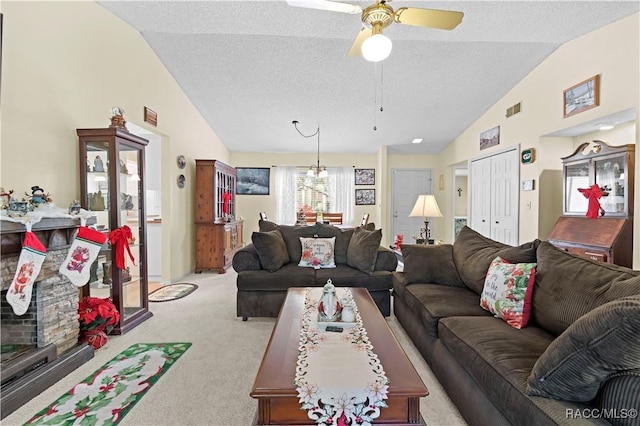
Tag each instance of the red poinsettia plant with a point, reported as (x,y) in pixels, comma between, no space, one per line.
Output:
(97,318)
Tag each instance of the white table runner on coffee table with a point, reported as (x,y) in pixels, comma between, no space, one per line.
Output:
(338,375)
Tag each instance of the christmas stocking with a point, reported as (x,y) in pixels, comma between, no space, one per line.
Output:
(29,264)
(83,252)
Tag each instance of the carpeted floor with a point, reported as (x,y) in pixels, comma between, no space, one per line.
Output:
(211,383)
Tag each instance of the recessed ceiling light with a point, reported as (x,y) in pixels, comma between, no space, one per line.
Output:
(606,126)
(417,140)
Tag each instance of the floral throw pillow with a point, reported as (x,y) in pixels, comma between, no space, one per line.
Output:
(318,252)
(507,291)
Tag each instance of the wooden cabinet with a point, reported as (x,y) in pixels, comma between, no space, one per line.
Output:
(218,233)
(608,238)
(112,185)
(605,239)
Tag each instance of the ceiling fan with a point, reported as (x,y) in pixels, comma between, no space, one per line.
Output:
(370,42)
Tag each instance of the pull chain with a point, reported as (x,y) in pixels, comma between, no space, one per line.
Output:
(375,94)
(381,84)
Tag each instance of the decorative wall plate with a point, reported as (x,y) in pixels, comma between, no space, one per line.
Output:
(181,181)
(181,162)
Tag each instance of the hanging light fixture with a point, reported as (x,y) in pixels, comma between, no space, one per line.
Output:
(315,169)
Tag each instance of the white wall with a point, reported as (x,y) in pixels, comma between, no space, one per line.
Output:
(64,65)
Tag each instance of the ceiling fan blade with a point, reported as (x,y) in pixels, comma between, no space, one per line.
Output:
(432,18)
(332,6)
(364,34)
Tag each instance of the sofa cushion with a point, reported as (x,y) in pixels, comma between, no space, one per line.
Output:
(473,252)
(317,252)
(499,358)
(342,236)
(568,286)
(346,276)
(363,249)
(425,263)
(597,346)
(271,249)
(291,235)
(290,275)
(431,302)
(507,291)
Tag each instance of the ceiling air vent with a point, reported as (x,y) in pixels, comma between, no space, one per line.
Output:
(513,110)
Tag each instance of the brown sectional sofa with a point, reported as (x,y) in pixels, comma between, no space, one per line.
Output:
(262,283)
(576,362)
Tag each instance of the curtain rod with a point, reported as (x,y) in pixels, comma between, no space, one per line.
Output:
(274,165)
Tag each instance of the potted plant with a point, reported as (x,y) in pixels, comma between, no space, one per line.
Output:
(97,318)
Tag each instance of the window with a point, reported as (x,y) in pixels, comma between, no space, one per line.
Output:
(312,192)
(295,190)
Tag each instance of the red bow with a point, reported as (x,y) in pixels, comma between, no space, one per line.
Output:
(119,238)
(593,193)
(226,198)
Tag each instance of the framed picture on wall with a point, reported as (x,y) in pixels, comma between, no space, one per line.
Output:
(490,138)
(582,96)
(365,176)
(252,180)
(365,197)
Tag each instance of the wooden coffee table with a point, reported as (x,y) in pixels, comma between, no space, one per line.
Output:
(274,388)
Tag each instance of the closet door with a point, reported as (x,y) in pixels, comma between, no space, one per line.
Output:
(505,172)
(494,196)
(480,176)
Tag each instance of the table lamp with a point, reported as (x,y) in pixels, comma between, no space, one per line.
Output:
(426,207)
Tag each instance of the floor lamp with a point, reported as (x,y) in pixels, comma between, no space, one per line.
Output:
(426,207)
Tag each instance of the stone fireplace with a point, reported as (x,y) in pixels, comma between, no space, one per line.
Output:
(41,346)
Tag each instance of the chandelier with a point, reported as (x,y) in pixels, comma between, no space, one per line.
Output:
(315,169)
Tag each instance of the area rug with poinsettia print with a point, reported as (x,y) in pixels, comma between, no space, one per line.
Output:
(108,394)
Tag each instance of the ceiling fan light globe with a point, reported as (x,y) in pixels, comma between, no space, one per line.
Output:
(376,48)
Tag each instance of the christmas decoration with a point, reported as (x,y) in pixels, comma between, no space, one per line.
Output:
(593,193)
(83,252)
(97,318)
(120,240)
(29,264)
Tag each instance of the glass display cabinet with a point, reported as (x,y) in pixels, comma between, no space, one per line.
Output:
(610,167)
(608,238)
(112,186)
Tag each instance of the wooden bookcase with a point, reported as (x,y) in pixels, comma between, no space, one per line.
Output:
(218,234)
(608,238)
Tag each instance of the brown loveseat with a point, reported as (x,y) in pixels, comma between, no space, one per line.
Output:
(576,362)
(269,266)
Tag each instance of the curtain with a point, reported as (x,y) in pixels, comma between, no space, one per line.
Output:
(285,195)
(342,191)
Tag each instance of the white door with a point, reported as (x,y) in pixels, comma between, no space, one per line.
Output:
(494,196)
(407,184)
(480,175)
(504,195)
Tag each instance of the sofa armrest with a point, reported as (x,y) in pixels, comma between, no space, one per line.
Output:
(246,259)
(386,260)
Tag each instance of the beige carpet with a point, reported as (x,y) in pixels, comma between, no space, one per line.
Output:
(210,384)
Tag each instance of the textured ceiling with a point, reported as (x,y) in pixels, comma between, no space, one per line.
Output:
(252,67)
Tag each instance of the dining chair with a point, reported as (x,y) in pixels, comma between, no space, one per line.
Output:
(263,216)
(365,219)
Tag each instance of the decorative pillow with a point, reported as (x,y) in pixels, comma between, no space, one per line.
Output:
(317,252)
(271,249)
(507,291)
(473,253)
(363,249)
(597,346)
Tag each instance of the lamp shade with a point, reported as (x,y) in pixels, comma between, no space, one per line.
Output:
(426,206)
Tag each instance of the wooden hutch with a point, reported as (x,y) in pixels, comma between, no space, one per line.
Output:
(218,234)
(609,238)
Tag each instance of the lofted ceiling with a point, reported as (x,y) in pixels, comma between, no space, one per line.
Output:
(252,67)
